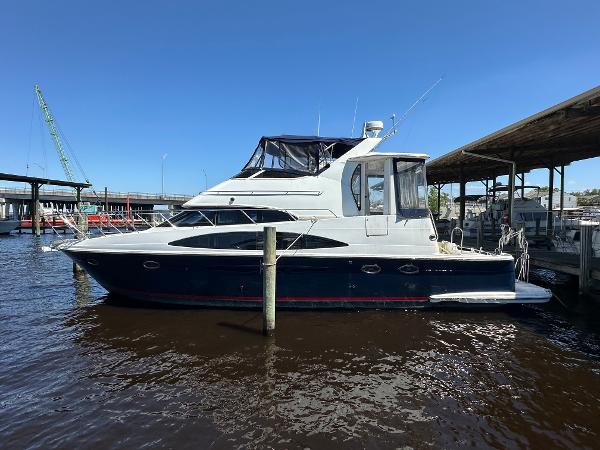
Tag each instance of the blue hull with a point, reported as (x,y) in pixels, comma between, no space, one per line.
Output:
(302,282)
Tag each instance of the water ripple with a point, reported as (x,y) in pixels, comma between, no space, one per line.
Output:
(78,370)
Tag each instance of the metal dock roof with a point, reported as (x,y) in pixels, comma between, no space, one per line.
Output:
(567,132)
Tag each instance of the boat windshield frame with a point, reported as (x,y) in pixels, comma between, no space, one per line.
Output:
(410,183)
(295,156)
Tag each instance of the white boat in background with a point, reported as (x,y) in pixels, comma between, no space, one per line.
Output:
(7,225)
(353,231)
(528,214)
(569,240)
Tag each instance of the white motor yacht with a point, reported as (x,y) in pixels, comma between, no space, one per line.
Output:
(353,231)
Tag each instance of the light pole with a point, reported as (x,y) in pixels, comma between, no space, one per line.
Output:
(162,174)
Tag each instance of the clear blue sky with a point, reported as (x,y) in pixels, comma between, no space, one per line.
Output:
(202,81)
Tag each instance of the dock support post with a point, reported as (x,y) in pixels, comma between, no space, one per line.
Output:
(585,256)
(487,195)
(562,190)
(78,201)
(439,198)
(522,185)
(82,219)
(550,216)
(461,217)
(105,199)
(511,194)
(81,226)
(480,231)
(269,270)
(35,211)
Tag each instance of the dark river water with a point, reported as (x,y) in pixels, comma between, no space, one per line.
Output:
(79,370)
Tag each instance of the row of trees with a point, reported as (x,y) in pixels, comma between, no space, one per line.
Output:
(594,191)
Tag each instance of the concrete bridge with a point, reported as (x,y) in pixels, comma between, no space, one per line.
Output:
(17,201)
(69,195)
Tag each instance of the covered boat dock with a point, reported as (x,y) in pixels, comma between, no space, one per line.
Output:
(550,139)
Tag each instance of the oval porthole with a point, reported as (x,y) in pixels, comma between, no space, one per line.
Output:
(409,269)
(93,262)
(371,269)
(151,265)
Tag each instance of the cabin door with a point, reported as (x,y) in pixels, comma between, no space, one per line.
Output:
(376,219)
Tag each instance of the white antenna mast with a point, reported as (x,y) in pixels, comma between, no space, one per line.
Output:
(354,119)
(403,117)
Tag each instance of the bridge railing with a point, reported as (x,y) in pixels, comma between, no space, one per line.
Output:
(100,195)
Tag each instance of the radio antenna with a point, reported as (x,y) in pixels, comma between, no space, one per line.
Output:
(354,119)
(403,117)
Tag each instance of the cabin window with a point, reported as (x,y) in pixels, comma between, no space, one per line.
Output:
(268,215)
(411,188)
(204,217)
(355,186)
(191,218)
(232,217)
(253,240)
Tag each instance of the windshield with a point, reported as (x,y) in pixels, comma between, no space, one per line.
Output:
(411,188)
(226,216)
(295,155)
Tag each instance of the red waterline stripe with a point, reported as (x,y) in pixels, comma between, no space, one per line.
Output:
(282,299)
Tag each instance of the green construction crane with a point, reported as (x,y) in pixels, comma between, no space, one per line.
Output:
(54,133)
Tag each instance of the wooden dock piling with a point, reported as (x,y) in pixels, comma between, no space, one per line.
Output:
(585,256)
(35,211)
(269,271)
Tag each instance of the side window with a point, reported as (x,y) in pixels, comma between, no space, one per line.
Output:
(244,240)
(355,185)
(192,218)
(321,242)
(231,217)
(271,215)
(268,215)
(411,188)
(204,217)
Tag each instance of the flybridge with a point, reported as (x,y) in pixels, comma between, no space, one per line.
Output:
(291,156)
